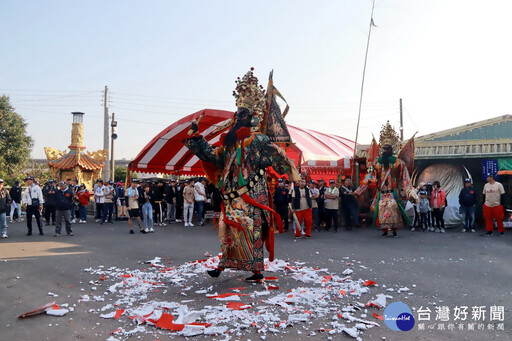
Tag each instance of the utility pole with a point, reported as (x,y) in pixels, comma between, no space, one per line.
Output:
(401,122)
(113,136)
(106,175)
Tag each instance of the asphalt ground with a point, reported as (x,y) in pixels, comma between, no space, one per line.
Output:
(450,269)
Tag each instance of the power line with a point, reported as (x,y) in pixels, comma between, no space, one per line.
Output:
(23,90)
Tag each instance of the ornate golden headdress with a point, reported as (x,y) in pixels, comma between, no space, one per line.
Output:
(249,94)
(388,136)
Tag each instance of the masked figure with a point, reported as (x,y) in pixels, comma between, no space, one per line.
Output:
(237,166)
(389,174)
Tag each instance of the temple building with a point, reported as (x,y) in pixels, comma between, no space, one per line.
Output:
(77,163)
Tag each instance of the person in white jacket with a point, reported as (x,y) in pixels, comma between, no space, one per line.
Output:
(99,199)
(33,201)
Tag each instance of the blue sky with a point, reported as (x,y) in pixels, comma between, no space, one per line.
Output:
(162,60)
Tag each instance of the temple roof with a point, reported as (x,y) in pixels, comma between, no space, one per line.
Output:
(76,158)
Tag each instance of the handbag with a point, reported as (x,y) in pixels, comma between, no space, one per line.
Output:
(35,201)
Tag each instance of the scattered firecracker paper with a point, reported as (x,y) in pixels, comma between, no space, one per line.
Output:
(183,301)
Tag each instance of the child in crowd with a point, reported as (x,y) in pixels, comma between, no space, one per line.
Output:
(423,209)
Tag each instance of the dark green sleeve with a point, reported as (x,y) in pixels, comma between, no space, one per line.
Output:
(271,155)
(200,147)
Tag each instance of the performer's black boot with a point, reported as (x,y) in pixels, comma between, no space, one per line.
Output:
(214,273)
(254,278)
(385,233)
(395,235)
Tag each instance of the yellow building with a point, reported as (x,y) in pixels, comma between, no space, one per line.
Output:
(77,163)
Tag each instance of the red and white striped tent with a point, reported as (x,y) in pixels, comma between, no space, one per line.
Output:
(315,152)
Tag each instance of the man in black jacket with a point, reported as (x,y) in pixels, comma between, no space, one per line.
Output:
(467,200)
(349,204)
(170,194)
(281,199)
(5,201)
(15,193)
(63,203)
(49,192)
(159,203)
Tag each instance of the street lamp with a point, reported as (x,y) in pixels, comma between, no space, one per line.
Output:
(113,135)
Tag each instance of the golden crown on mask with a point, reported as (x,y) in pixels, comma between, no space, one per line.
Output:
(388,136)
(249,94)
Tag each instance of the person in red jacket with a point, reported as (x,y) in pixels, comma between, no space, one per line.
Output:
(83,196)
(438,203)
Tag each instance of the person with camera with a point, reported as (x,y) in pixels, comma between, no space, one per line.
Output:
(33,200)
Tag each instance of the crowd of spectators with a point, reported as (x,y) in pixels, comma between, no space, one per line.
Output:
(306,205)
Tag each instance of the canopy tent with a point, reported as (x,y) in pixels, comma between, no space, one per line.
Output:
(166,154)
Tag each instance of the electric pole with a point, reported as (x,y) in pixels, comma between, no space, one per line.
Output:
(106,174)
(401,121)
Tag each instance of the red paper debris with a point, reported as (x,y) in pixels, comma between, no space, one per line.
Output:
(343,292)
(165,322)
(116,331)
(308,312)
(237,306)
(118,314)
(199,324)
(126,276)
(373,305)
(326,279)
(271,287)
(239,288)
(55,306)
(369,283)
(378,317)
(271,278)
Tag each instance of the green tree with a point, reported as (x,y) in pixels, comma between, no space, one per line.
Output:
(120,174)
(15,144)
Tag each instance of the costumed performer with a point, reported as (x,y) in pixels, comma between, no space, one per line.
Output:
(390,174)
(238,168)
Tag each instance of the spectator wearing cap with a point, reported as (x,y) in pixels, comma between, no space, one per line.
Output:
(423,207)
(281,199)
(321,204)
(492,209)
(15,193)
(331,195)
(63,203)
(50,202)
(314,203)
(83,196)
(5,201)
(99,199)
(468,197)
(200,198)
(170,194)
(349,204)
(438,204)
(33,199)
(302,207)
(108,206)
